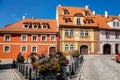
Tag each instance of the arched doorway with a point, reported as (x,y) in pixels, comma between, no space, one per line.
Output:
(106,49)
(84,49)
(52,49)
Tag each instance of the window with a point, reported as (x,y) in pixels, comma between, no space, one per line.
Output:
(71,33)
(23,49)
(66,20)
(107,34)
(65,12)
(23,37)
(89,21)
(71,47)
(78,21)
(34,37)
(117,35)
(34,49)
(44,38)
(7,37)
(6,48)
(86,13)
(35,26)
(52,38)
(81,32)
(84,33)
(66,47)
(26,25)
(117,24)
(45,26)
(66,32)
(114,23)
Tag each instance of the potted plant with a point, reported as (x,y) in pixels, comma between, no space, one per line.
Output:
(75,54)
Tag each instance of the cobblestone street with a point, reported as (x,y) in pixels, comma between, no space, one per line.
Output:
(100,67)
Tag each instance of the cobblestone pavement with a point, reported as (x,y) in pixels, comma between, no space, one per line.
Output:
(100,67)
(7,72)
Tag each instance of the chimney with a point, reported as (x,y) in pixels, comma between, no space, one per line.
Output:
(33,17)
(23,17)
(93,12)
(106,14)
(59,5)
(86,7)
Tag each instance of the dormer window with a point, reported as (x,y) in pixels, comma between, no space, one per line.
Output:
(89,21)
(26,25)
(35,25)
(78,21)
(66,20)
(116,24)
(66,12)
(45,26)
(86,13)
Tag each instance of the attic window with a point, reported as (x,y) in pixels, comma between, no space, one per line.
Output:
(35,25)
(65,12)
(45,26)
(87,13)
(26,25)
(78,21)
(90,21)
(66,20)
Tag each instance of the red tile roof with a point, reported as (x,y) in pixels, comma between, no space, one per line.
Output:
(18,26)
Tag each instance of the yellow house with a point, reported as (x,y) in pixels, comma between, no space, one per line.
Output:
(78,30)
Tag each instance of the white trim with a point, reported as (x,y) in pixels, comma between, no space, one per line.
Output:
(45,36)
(4,48)
(22,37)
(26,24)
(7,35)
(54,38)
(21,48)
(36,38)
(41,44)
(34,46)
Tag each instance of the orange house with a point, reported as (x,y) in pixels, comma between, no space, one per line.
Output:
(27,36)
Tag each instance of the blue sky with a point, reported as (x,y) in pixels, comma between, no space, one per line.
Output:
(13,10)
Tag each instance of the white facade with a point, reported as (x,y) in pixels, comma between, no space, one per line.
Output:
(110,37)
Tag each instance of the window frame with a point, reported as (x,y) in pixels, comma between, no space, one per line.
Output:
(22,37)
(107,34)
(51,38)
(71,32)
(66,47)
(36,38)
(32,49)
(71,47)
(7,35)
(42,38)
(22,48)
(66,32)
(78,21)
(28,25)
(44,25)
(5,49)
(33,26)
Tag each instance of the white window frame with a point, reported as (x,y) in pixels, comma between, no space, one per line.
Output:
(51,38)
(71,32)
(45,39)
(7,35)
(71,47)
(78,21)
(36,38)
(25,50)
(45,25)
(28,25)
(84,33)
(4,48)
(66,47)
(33,26)
(66,32)
(22,37)
(32,49)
